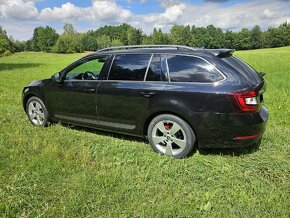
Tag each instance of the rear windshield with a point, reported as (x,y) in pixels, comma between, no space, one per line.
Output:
(248,72)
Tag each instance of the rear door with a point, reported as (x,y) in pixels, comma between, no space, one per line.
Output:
(130,90)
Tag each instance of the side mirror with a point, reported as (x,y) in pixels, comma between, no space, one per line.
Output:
(56,77)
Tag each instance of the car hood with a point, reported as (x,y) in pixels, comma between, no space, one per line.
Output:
(39,83)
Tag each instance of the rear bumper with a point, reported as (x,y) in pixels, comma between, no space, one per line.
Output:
(231,130)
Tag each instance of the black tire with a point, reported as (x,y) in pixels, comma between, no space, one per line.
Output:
(185,136)
(42,113)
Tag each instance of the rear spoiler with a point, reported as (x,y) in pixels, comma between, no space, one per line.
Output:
(221,52)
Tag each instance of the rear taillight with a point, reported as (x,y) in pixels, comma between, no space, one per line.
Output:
(247,101)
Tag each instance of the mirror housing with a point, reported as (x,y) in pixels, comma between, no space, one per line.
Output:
(56,77)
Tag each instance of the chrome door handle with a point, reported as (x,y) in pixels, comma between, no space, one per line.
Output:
(89,90)
(147,94)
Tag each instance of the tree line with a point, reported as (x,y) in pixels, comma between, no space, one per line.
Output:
(70,41)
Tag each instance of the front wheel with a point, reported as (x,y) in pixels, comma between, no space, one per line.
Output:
(171,136)
(37,112)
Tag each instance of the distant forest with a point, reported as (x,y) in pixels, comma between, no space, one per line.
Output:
(70,41)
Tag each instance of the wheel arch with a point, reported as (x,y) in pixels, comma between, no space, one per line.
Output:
(27,97)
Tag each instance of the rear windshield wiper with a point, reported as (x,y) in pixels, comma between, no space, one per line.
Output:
(261,74)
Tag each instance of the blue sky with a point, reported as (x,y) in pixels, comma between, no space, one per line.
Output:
(20,17)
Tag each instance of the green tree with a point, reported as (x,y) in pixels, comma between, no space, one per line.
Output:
(103,41)
(44,38)
(69,42)
(278,36)
(200,37)
(116,42)
(244,39)
(28,45)
(181,35)
(158,37)
(134,36)
(230,39)
(68,29)
(5,44)
(89,41)
(256,37)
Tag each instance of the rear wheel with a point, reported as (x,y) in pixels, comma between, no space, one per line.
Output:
(171,136)
(37,112)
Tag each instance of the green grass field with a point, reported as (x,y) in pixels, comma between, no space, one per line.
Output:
(67,172)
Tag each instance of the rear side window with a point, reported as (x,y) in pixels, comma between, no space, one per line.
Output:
(129,67)
(191,69)
(157,68)
(248,72)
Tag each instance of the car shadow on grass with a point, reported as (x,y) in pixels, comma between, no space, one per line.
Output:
(105,133)
(230,151)
(202,151)
(12,66)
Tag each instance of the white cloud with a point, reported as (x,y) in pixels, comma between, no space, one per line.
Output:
(106,10)
(18,9)
(67,11)
(236,16)
(170,15)
(265,13)
(101,10)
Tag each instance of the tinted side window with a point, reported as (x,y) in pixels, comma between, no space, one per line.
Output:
(244,69)
(89,70)
(191,69)
(129,67)
(157,69)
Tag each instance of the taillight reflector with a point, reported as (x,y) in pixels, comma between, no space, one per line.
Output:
(247,137)
(245,101)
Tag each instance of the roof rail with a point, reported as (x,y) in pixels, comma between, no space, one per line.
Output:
(149,46)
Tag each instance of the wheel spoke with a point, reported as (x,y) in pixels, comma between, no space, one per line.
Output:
(37,119)
(174,129)
(41,115)
(180,142)
(37,106)
(30,108)
(158,139)
(161,127)
(168,149)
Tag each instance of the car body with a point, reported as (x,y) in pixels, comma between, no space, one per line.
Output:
(216,94)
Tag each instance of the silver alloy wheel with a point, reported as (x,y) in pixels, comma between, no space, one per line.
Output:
(169,137)
(36,113)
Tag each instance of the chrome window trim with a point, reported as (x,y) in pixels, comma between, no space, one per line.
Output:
(151,55)
(133,81)
(111,67)
(224,77)
(168,73)
(147,69)
(167,68)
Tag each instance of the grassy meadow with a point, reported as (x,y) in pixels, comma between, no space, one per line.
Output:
(62,171)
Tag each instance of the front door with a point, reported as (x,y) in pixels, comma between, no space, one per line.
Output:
(74,99)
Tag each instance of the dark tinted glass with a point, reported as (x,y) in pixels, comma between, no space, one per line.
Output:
(244,69)
(157,69)
(129,67)
(191,69)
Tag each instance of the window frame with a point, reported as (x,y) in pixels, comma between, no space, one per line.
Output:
(147,68)
(166,74)
(195,56)
(81,61)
